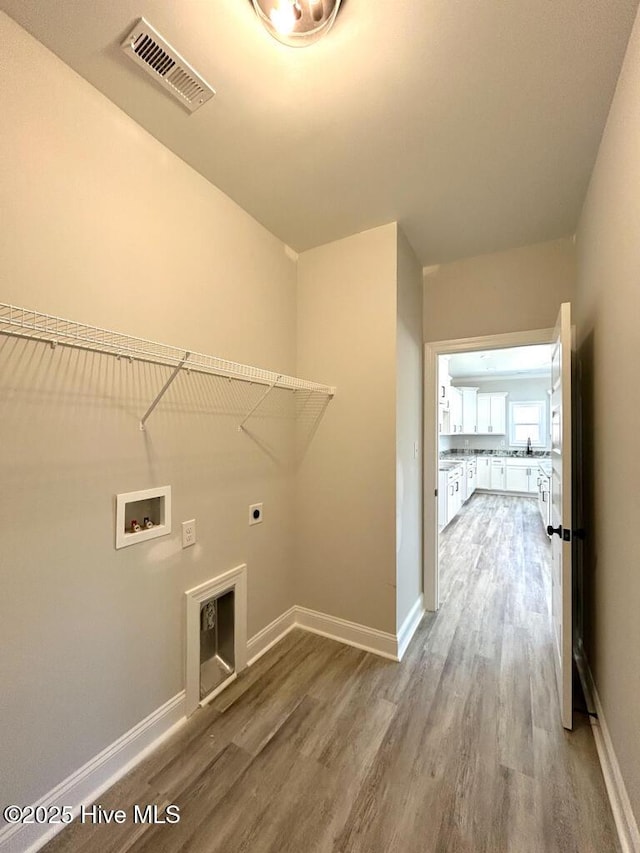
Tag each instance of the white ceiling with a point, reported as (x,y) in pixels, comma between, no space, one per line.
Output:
(515,361)
(475,123)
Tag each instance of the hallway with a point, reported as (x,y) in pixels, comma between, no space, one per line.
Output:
(323,747)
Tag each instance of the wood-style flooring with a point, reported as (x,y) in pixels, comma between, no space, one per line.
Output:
(322,747)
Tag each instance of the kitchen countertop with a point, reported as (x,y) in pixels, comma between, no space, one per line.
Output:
(450,460)
(503,454)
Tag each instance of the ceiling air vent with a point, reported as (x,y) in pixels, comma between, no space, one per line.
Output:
(150,51)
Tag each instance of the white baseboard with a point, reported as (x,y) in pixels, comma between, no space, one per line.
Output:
(625,820)
(270,635)
(350,633)
(85,785)
(410,625)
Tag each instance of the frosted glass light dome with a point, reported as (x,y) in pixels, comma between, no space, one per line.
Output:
(297,23)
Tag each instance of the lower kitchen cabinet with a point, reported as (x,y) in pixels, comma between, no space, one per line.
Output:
(517,479)
(483,472)
(498,474)
(471,473)
(507,474)
(452,493)
(521,476)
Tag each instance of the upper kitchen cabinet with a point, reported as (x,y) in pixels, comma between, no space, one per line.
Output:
(492,413)
(458,409)
(455,410)
(444,382)
(469,410)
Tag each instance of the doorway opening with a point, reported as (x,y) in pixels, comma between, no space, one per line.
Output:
(478,428)
(494,444)
(521,425)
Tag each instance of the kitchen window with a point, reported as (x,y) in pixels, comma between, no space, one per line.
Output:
(526,421)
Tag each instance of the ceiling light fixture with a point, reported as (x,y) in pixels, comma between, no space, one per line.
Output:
(297,23)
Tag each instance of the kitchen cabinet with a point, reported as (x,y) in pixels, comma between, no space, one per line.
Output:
(471,472)
(450,493)
(498,474)
(483,472)
(521,475)
(469,410)
(544,496)
(507,474)
(516,478)
(463,481)
(444,383)
(443,419)
(442,499)
(455,410)
(454,494)
(484,413)
(492,413)
(459,415)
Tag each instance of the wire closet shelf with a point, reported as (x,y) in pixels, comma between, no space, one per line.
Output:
(47,328)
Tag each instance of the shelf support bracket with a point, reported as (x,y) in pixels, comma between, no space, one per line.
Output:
(260,402)
(164,389)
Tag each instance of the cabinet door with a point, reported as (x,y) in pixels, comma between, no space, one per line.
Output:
(484,412)
(517,478)
(451,501)
(442,499)
(463,484)
(533,480)
(458,494)
(469,410)
(471,482)
(498,413)
(497,475)
(455,410)
(444,381)
(483,473)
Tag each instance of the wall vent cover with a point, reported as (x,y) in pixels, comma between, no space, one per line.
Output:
(146,47)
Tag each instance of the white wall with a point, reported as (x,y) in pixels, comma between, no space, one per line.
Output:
(409,411)
(511,291)
(101,223)
(346,545)
(607,310)
(517,390)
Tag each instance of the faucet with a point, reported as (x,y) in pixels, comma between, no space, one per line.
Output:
(529,450)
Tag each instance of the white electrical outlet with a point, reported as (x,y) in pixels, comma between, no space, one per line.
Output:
(188,533)
(255,514)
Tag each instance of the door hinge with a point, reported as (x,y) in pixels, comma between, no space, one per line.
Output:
(435,493)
